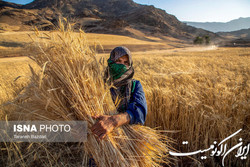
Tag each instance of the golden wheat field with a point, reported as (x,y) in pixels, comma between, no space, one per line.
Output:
(197,95)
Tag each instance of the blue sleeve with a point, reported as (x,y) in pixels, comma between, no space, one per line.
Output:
(137,107)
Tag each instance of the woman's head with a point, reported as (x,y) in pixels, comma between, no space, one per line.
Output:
(120,64)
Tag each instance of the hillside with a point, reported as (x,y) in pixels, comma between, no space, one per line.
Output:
(244,34)
(123,17)
(239,38)
(233,25)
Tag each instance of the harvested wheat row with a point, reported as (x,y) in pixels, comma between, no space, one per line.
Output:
(70,87)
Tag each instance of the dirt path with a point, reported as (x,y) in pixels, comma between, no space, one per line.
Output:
(201,48)
(185,49)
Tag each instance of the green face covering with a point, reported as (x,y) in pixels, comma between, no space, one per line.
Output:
(116,70)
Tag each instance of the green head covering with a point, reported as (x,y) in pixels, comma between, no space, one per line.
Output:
(116,70)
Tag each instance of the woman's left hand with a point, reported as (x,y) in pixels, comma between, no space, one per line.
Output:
(103,126)
(107,123)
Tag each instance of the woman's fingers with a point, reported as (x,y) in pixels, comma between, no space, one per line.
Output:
(96,126)
(103,126)
(103,136)
(100,133)
(95,116)
(98,117)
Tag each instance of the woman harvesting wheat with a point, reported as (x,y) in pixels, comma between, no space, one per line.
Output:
(127,94)
(70,87)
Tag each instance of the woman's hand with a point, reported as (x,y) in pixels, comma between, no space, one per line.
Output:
(107,124)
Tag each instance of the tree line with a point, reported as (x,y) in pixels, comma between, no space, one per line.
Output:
(199,40)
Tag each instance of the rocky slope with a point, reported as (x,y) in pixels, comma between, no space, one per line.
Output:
(103,16)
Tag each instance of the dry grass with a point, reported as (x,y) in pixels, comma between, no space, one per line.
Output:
(204,95)
(14,77)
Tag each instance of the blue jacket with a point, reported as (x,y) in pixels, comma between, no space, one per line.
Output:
(137,105)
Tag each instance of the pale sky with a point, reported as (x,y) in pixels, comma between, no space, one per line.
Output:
(19,1)
(196,10)
(203,10)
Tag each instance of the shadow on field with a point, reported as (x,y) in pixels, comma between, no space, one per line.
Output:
(12,44)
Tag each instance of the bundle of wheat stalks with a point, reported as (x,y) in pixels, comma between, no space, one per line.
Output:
(70,87)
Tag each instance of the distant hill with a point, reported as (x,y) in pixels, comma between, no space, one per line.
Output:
(233,25)
(243,34)
(123,17)
(239,38)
